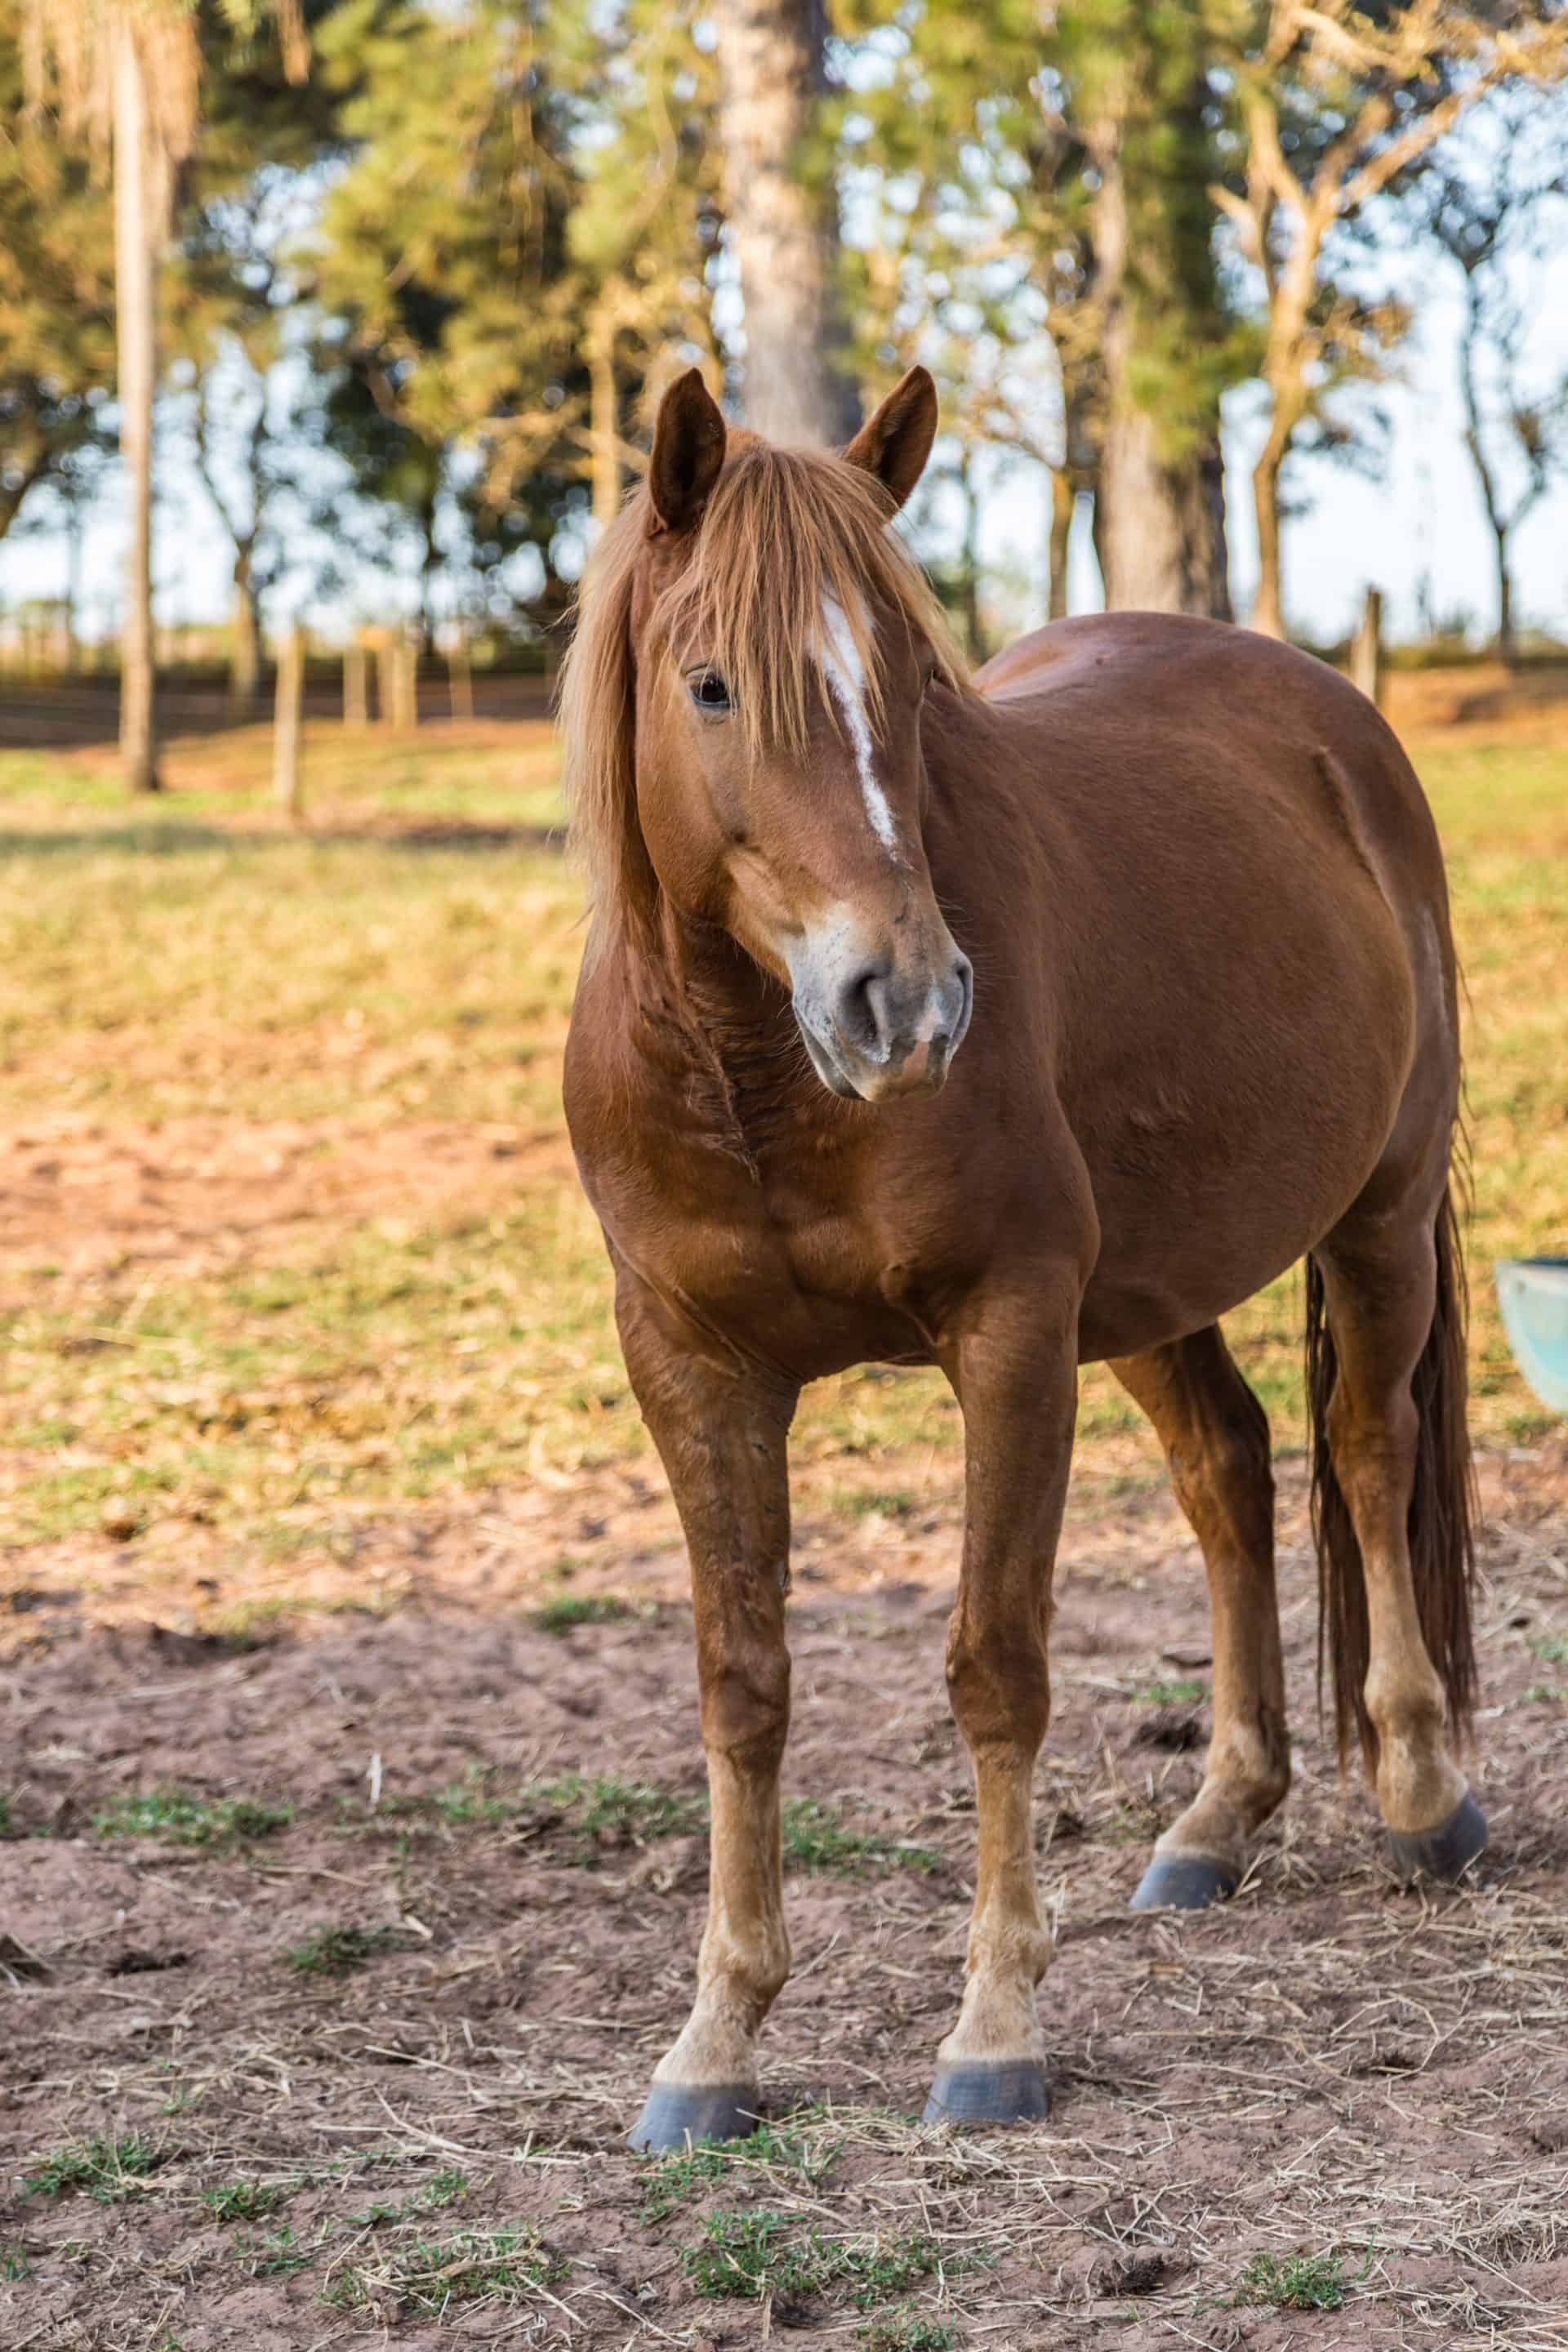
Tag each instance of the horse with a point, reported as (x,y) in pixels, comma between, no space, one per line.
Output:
(1007,1023)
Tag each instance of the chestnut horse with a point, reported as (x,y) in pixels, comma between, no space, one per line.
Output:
(1197,907)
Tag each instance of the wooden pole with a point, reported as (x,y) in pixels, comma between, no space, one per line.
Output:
(460,678)
(287,794)
(135,312)
(356,685)
(1366,648)
(406,673)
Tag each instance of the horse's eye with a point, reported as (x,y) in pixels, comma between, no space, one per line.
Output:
(708,691)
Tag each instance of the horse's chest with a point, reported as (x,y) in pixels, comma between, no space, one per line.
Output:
(777,1251)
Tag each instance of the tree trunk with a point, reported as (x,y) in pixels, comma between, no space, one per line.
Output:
(286,792)
(603,459)
(245,651)
(356,696)
(785,232)
(1161,540)
(135,327)
(1064,500)
(1267,614)
(1366,648)
(1508,649)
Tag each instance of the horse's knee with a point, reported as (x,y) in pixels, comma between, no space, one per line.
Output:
(746,1704)
(998,1685)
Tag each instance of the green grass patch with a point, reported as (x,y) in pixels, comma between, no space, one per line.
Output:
(677,2178)
(338,1951)
(14,2263)
(1182,1693)
(1299,2282)
(180,1818)
(748,2256)
(448,2188)
(816,1839)
(248,2201)
(568,1610)
(907,2331)
(429,2275)
(104,2167)
(1553,1649)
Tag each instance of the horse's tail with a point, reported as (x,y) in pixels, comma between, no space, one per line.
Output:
(1442,1508)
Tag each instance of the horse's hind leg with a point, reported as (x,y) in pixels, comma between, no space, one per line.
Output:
(1392,1493)
(1216,1440)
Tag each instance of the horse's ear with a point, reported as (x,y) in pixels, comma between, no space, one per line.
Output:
(688,451)
(895,443)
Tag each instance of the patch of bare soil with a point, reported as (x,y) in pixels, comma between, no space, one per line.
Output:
(425,2147)
(191,1194)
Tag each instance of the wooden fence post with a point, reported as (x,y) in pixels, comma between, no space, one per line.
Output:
(1366,648)
(460,677)
(406,674)
(385,644)
(287,795)
(356,684)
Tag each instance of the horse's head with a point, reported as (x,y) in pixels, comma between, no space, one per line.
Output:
(778,643)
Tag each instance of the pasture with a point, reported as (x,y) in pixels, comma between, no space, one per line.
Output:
(350,1793)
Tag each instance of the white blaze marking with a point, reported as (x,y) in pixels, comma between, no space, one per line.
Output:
(845,674)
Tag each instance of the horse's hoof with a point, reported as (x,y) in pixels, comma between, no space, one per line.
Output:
(676,2113)
(1446,1852)
(1011,2091)
(1184,1882)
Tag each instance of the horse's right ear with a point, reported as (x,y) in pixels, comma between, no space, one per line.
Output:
(688,443)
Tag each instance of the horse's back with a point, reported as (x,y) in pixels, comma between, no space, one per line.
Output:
(1249,948)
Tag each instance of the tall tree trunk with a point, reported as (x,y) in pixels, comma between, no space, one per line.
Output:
(1508,649)
(136,332)
(604,458)
(1267,614)
(1064,498)
(245,652)
(1161,539)
(784,231)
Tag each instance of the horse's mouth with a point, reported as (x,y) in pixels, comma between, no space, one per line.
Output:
(853,1078)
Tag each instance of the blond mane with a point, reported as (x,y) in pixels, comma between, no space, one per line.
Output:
(783,530)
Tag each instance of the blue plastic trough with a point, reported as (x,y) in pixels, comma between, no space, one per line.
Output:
(1533,1294)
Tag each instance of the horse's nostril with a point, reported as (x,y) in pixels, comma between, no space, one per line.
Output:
(863,1009)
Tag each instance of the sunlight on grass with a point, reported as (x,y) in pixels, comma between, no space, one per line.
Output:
(198,964)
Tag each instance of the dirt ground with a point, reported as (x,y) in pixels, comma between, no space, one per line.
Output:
(500,1818)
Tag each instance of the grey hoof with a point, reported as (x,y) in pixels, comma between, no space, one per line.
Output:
(1446,1852)
(1184,1882)
(676,2113)
(1012,2092)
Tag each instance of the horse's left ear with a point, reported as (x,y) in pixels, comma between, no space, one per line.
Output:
(688,444)
(895,443)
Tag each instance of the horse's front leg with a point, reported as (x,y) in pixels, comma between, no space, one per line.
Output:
(722,1431)
(1015,1373)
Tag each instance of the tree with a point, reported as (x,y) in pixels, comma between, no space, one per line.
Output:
(1494,211)
(1334,105)
(57,303)
(130,72)
(1138,74)
(781,205)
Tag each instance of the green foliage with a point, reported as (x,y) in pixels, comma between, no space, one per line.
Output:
(247,2201)
(816,1839)
(565,1609)
(1182,1693)
(907,2331)
(181,1818)
(749,2255)
(471,2266)
(448,2187)
(675,2179)
(1299,2282)
(106,2168)
(339,1951)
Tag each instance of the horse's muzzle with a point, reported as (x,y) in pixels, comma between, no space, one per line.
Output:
(876,1030)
